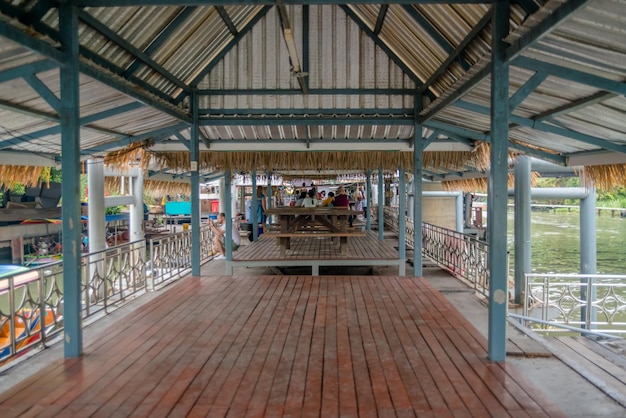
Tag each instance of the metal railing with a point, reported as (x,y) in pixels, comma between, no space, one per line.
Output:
(464,256)
(108,277)
(586,301)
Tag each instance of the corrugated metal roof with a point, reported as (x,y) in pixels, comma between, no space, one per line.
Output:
(141,63)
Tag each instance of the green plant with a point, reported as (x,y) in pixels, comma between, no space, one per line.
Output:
(114,210)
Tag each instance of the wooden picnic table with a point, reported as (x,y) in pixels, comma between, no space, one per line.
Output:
(303,222)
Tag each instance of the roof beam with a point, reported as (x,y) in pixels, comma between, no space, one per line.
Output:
(84,122)
(321,92)
(476,30)
(545,127)
(225,50)
(130,48)
(227,20)
(273,120)
(574,106)
(124,142)
(293,145)
(521,44)
(432,32)
(523,92)
(281,113)
(122,3)
(27,69)
(390,53)
(546,26)
(529,6)
(455,131)
(55,54)
(162,37)
(135,93)
(42,90)
(27,41)
(571,75)
(381,18)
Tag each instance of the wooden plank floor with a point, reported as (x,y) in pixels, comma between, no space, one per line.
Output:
(283,346)
(318,248)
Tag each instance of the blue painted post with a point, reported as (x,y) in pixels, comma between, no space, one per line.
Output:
(70,160)
(522,224)
(381,205)
(254,209)
(497,186)
(368,199)
(588,256)
(195,187)
(402,215)
(418,174)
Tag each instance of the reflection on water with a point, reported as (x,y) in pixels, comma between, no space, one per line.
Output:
(555,243)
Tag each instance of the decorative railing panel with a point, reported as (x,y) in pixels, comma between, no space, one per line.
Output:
(108,277)
(464,256)
(587,301)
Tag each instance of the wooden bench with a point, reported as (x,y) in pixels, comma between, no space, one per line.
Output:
(284,238)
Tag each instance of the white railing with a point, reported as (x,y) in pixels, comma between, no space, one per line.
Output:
(108,277)
(586,301)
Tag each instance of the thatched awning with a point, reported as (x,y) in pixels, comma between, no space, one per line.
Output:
(10,175)
(271,161)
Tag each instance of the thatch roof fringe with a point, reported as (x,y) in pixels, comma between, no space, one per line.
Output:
(605,177)
(336,160)
(10,175)
(152,188)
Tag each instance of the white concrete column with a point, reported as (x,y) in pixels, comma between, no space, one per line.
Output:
(96,209)
(136,209)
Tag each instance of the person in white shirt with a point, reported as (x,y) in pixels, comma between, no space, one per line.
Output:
(219,232)
(311,200)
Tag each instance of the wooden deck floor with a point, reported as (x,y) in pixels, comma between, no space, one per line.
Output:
(319,251)
(281,346)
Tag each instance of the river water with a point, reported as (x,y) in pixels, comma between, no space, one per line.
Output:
(555,243)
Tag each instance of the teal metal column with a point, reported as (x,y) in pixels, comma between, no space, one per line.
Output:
(368,199)
(497,187)
(402,215)
(417,188)
(588,254)
(195,187)
(522,224)
(254,208)
(381,205)
(70,161)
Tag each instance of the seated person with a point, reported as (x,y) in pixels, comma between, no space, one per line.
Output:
(219,232)
(301,198)
(329,200)
(311,200)
(343,200)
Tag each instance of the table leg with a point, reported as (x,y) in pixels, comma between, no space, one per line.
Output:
(343,245)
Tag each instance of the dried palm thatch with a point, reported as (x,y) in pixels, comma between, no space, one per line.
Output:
(480,184)
(339,160)
(605,177)
(10,175)
(135,154)
(157,189)
(164,188)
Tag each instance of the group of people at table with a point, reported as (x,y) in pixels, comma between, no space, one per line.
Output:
(311,199)
(306,199)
